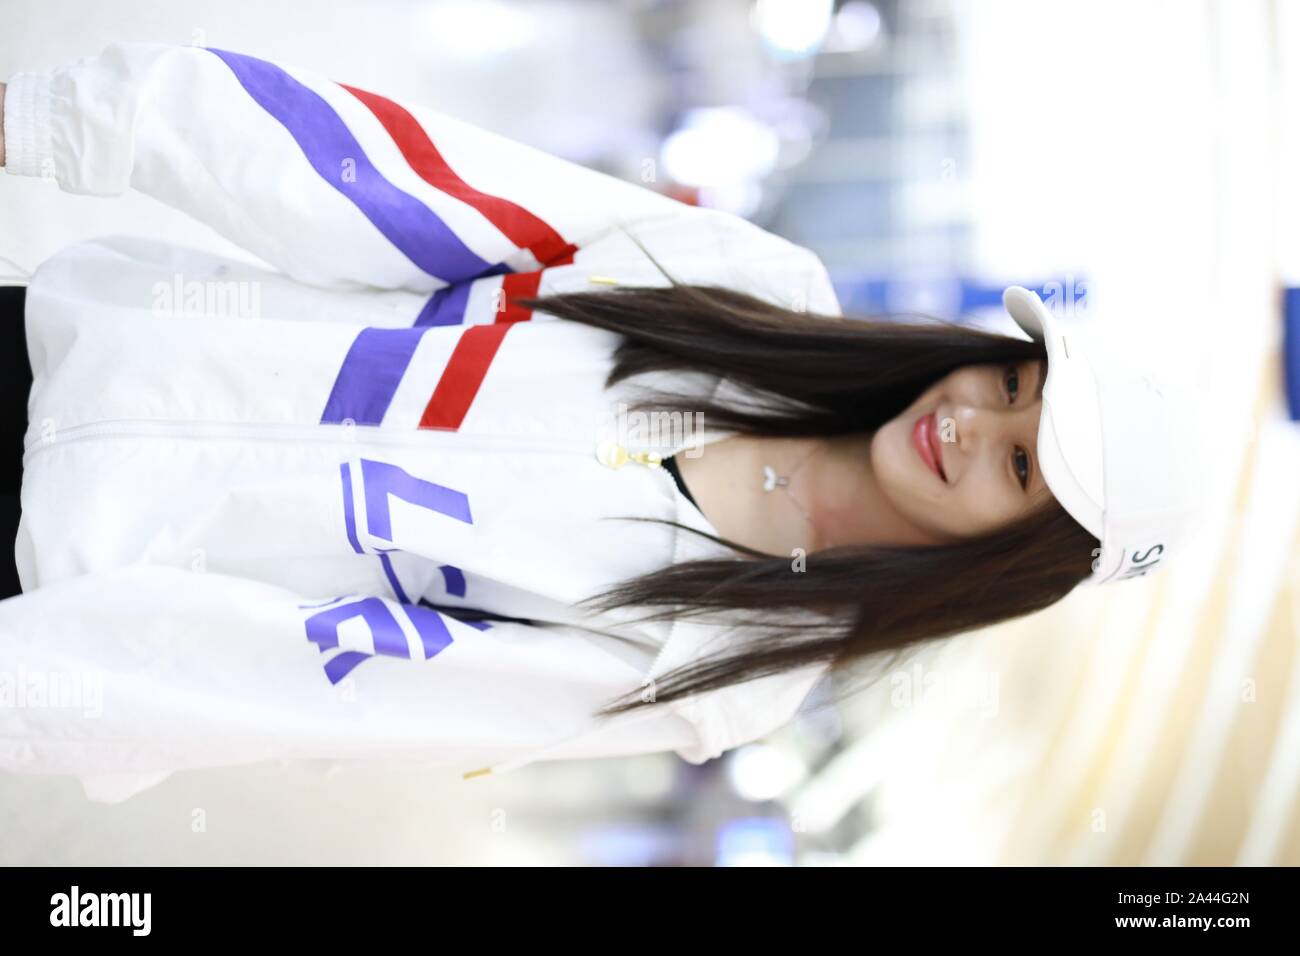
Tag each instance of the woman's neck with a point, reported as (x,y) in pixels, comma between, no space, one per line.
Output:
(830,482)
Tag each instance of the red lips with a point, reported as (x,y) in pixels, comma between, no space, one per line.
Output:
(925,436)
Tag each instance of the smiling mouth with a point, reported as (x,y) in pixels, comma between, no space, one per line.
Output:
(925,437)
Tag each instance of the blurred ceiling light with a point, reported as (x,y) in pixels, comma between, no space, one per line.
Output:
(760,772)
(718,146)
(856,27)
(798,125)
(469,29)
(793,28)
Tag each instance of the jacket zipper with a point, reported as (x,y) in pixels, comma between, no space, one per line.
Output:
(609,453)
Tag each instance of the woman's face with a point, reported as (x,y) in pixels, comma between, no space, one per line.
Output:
(982,423)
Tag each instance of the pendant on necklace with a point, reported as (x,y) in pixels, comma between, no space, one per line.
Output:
(770,479)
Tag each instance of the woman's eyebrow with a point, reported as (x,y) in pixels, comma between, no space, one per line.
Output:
(1041,367)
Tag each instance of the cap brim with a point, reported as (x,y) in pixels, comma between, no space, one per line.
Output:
(1070,432)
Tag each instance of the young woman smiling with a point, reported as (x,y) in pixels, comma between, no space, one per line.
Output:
(383,477)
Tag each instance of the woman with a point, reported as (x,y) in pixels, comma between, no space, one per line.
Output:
(380,503)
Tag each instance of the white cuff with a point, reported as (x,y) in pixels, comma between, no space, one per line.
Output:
(28,149)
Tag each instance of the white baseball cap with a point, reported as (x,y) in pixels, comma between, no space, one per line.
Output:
(1118,449)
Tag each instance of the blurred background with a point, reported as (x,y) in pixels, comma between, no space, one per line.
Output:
(1134,161)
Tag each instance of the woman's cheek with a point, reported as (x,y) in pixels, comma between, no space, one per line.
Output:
(987,512)
(904,478)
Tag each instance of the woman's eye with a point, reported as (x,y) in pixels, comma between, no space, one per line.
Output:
(1024,475)
(1013,383)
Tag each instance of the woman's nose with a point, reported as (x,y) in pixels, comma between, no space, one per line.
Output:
(962,426)
(972,425)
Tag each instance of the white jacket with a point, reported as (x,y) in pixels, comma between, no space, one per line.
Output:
(255,500)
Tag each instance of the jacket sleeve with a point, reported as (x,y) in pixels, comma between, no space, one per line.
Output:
(336,186)
(123,676)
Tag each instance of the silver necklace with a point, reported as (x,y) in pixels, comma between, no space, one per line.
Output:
(772,481)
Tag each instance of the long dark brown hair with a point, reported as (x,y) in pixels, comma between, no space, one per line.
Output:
(814,374)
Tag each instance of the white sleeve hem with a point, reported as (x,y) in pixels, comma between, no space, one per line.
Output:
(28,146)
